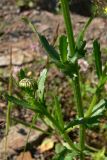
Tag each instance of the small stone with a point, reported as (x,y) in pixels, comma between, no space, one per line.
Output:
(16,138)
(25,156)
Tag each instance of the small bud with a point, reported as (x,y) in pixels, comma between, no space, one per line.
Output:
(27,83)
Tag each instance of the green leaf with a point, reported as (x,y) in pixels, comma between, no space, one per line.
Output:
(86,121)
(79,52)
(100,155)
(21,74)
(41,84)
(59,148)
(58,113)
(49,48)
(99,108)
(67,68)
(62,153)
(70,156)
(82,33)
(23,103)
(97,56)
(101,83)
(63,45)
(80,43)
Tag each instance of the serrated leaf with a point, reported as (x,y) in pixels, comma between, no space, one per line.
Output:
(41,84)
(63,45)
(97,56)
(58,113)
(49,48)
(23,103)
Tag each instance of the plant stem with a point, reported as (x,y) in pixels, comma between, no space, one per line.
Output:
(78,99)
(9,105)
(77,92)
(33,122)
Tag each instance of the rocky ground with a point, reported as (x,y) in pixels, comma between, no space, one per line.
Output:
(17,38)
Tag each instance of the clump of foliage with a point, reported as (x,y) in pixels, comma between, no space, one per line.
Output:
(66,59)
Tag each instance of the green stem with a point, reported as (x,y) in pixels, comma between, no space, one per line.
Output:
(9,106)
(77,92)
(78,99)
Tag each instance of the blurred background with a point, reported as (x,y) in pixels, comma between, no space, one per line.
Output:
(78,6)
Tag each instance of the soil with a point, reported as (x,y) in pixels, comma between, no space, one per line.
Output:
(27,52)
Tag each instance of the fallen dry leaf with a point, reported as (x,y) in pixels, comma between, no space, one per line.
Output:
(46,145)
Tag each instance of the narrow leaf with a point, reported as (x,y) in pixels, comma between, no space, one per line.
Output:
(97,56)
(41,84)
(58,113)
(49,48)
(99,108)
(63,45)
(23,103)
(82,33)
(85,121)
